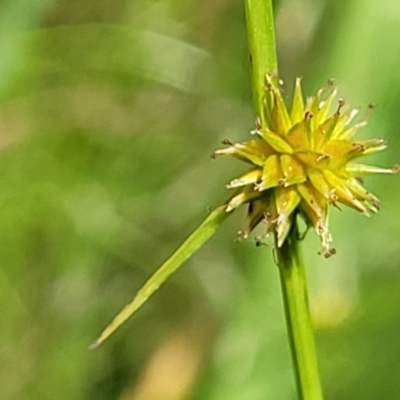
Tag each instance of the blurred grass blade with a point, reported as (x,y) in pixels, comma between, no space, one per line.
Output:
(17,17)
(190,246)
(117,53)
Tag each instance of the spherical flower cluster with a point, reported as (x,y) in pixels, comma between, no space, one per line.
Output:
(303,162)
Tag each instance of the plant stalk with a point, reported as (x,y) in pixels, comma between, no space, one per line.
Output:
(298,319)
(261,45)
(263,60)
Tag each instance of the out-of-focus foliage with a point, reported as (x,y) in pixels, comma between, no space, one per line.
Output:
(108,113)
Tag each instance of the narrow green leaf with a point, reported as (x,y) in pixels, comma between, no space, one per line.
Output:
(190,246)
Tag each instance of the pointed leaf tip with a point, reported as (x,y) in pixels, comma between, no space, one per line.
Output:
(94,345)
(204,232)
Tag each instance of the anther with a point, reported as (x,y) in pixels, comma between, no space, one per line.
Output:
(330,253)
(259,241)
(227,142)
(323,156)
(370,107)
(282,182)
(308,115)
(358,147)
(257,124)
(341,103)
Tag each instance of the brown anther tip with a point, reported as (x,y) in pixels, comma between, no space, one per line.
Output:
(336,205)
(323,156)
(333,197)
(395,169)
(213,156)
(341,103)
(358,146)
(370,107)
(268,82)
(227,142)
(330,253)
(259,242)
(209,209)
(331,82)
(282,182)
(308,115)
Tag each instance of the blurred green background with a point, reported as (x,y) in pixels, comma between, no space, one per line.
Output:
(109,111)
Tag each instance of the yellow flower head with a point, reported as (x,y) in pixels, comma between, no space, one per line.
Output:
(302,163)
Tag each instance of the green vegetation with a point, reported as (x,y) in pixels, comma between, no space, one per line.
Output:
(108,113)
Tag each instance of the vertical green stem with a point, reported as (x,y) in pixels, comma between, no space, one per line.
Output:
(261,42)
(298,320)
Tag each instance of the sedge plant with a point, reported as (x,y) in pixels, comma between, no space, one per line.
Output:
(303,161)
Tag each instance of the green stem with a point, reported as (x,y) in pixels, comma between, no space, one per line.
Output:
(263,60)
(298,320)
(261,43)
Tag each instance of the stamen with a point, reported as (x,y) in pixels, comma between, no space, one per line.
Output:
(308,115)
(331,82)
(241,235)
(323,156)
(272,221)
(341,104)
(370,107)
(330,253)
(282,182)
(257,124)
(358,147)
